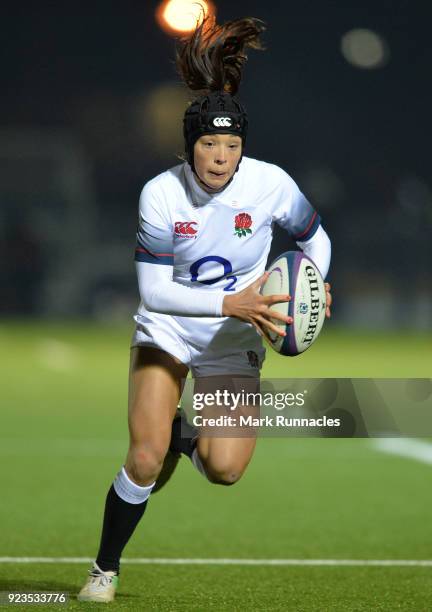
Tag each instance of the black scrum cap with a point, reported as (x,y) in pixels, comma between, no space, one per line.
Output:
(215,113)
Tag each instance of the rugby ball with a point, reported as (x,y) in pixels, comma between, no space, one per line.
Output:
(294,273)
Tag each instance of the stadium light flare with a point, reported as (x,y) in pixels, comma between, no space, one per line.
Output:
(180,17)
(365,49)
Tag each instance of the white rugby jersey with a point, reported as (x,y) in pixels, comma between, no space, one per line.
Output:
(211,245)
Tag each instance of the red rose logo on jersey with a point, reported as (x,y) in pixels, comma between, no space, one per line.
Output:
(185,229)
(243,222)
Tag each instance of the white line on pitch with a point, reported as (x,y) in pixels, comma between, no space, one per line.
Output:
(277,562)
(405,447)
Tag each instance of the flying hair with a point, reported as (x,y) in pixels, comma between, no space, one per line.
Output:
(212,58)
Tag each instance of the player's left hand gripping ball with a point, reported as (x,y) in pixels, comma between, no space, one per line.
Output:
(329,299)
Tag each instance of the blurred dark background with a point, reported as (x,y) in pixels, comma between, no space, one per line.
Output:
(91,109)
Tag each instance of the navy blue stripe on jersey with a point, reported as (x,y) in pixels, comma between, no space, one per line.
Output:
(143,254)
(309,229)
(153,246)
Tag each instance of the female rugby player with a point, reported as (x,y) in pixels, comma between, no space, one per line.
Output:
(204,234)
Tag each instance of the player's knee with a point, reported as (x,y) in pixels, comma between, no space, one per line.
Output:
(144,463)
(223,476)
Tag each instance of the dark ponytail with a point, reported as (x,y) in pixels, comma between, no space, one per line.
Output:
(212,58)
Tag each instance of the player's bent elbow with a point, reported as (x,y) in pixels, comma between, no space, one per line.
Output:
(149,303)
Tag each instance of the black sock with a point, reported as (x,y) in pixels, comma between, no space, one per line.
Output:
(120,520)
(183,436)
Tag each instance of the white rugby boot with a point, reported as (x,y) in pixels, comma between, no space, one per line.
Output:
(100,586)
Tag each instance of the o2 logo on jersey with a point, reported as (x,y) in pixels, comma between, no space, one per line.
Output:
(185,229)
(207,269)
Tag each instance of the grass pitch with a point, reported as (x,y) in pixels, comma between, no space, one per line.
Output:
(64,436)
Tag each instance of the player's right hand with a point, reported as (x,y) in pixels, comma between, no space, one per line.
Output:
(249,305)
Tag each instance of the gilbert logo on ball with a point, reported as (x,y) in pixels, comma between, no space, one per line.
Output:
(242,225)
(296,274)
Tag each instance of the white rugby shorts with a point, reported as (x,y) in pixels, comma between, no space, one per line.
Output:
(207,346)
